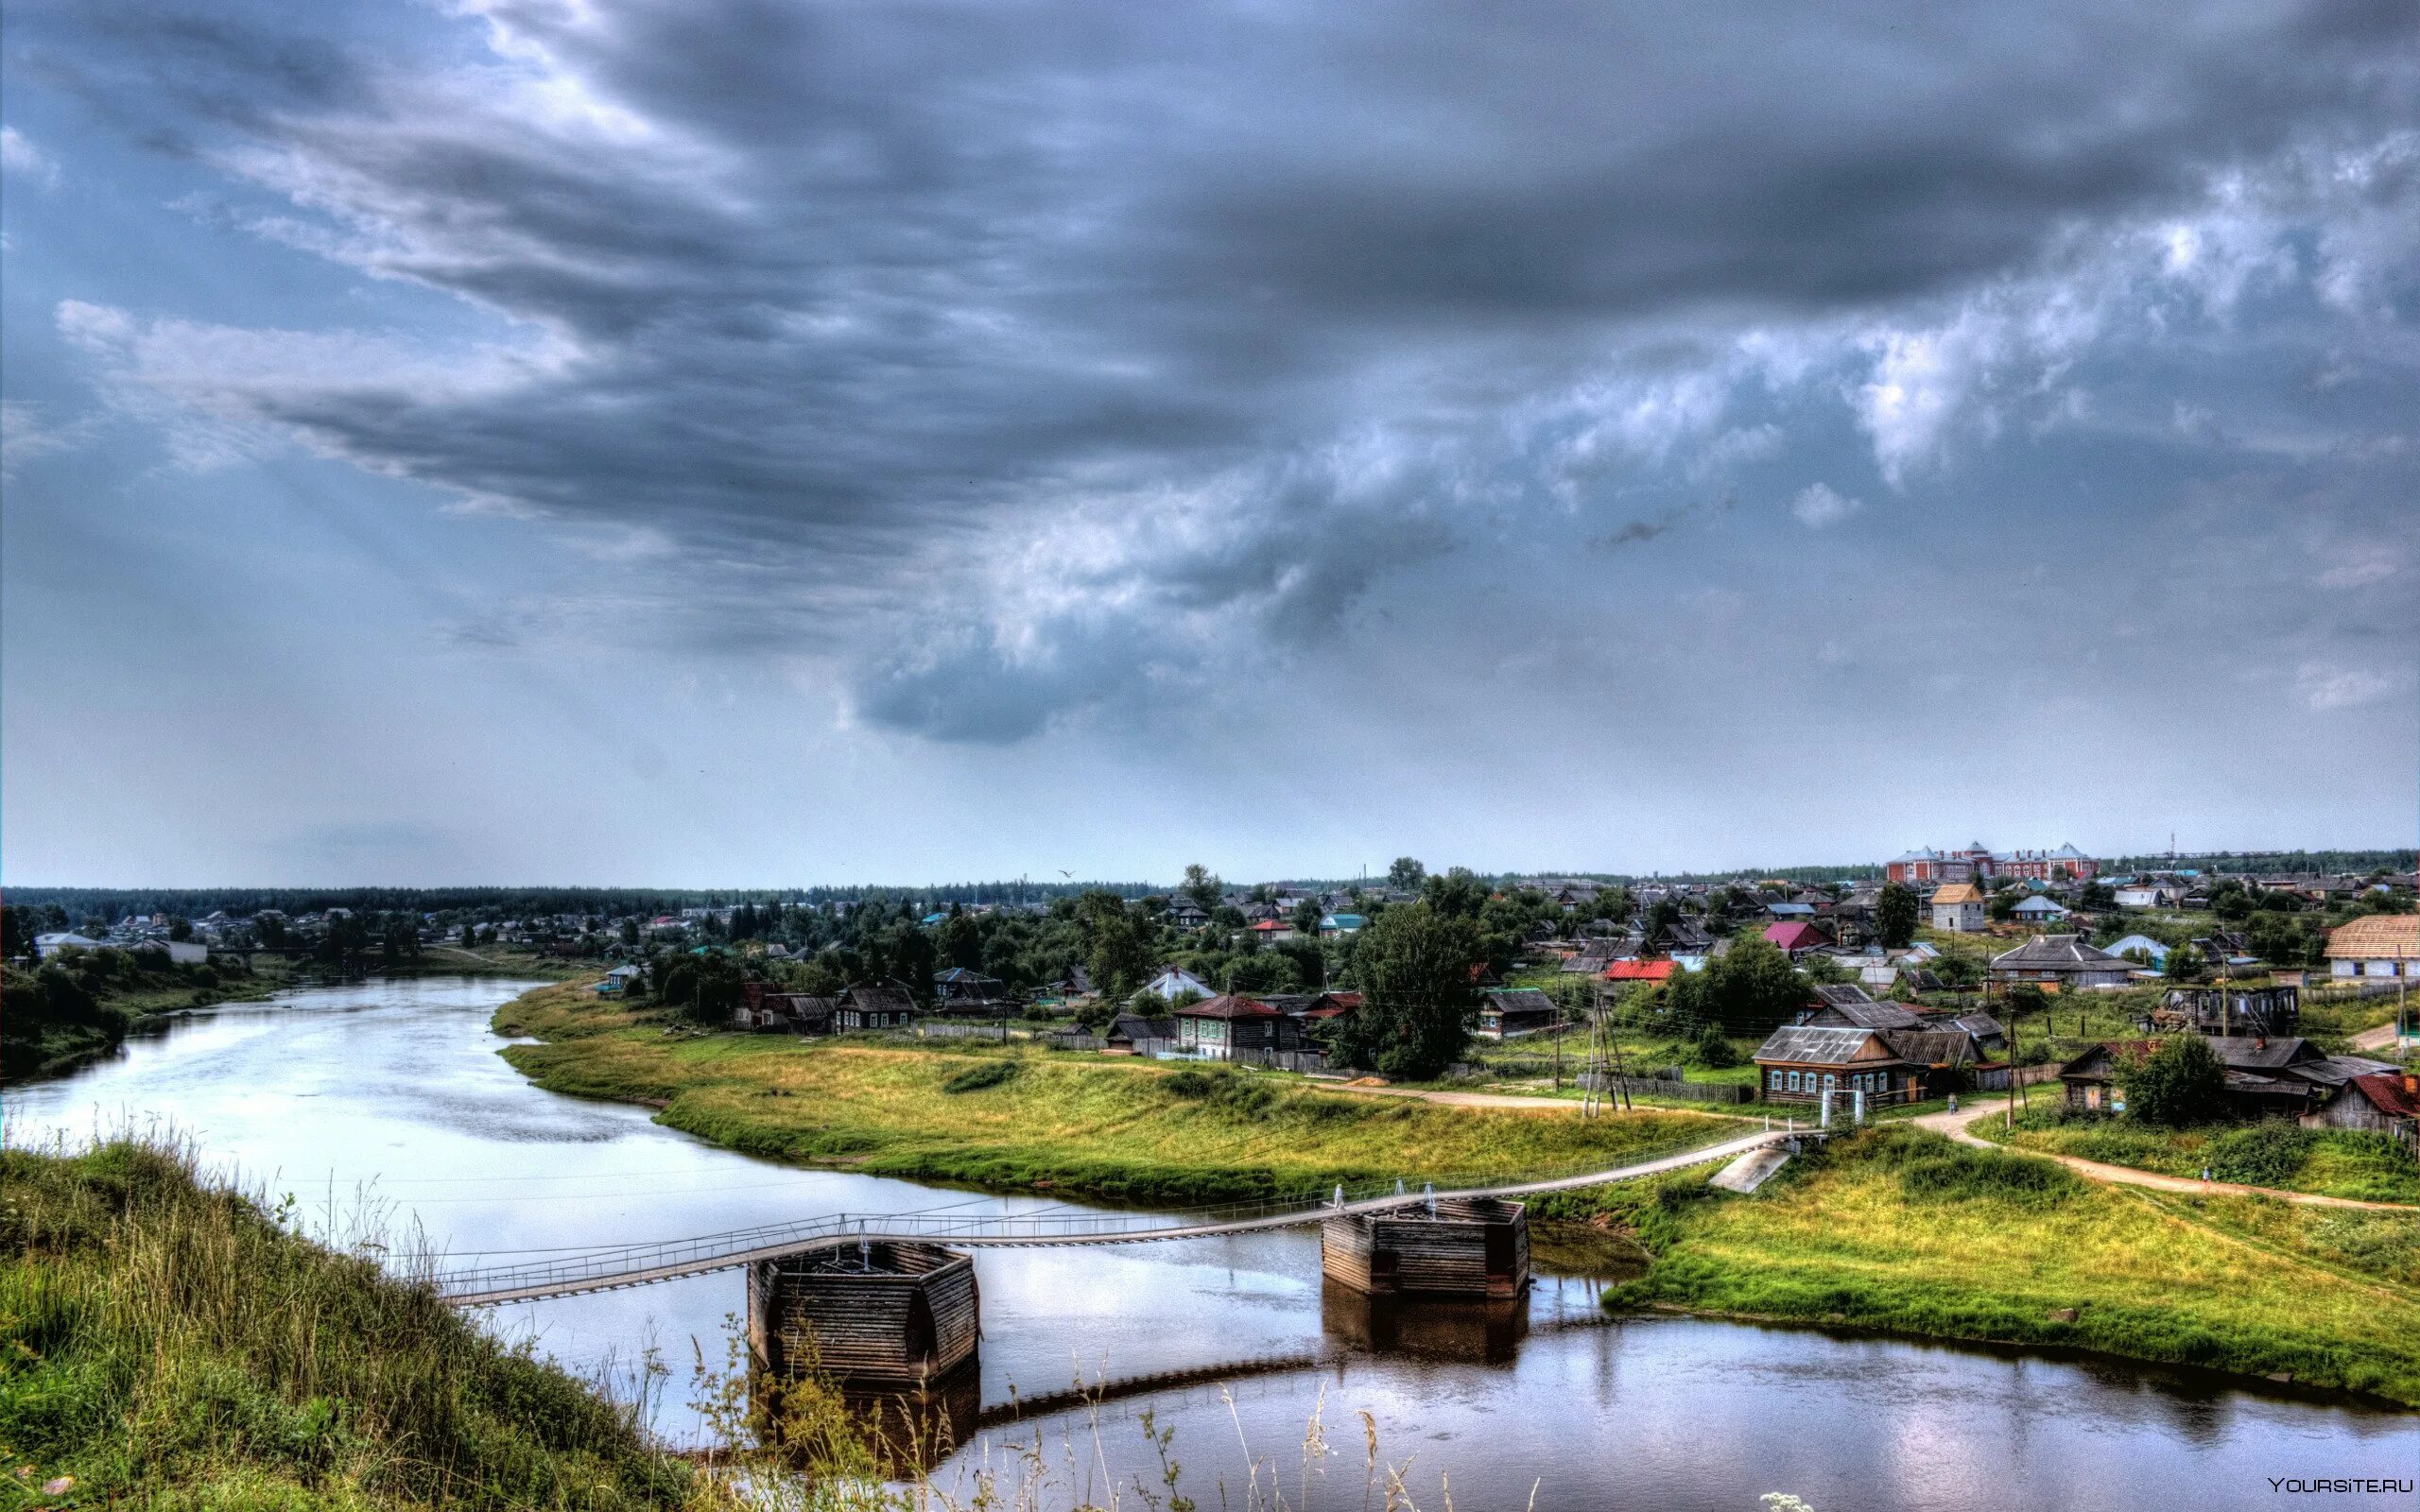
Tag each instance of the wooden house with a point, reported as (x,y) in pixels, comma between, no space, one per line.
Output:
(1231,1022)
(1508,1013)
(1957,907)
(2379,945)
(1798,1063)
(1133,1034)
(861,1008)
(960,993)
(2062,961)
(2375,1103)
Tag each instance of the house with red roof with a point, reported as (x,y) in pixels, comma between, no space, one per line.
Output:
(1639,972)
(2378,1103)
(1797,939)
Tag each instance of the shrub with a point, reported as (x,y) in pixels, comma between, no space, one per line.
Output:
(1966,1175)
(1226,1089)
(2268,1154)
(982,1075)
(1713,1051)
(2181,1082)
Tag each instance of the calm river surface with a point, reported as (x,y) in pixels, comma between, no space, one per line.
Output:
(390,1094)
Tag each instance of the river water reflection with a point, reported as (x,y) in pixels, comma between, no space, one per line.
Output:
(391,1093)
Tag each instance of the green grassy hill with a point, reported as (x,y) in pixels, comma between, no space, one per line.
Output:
(165,1344)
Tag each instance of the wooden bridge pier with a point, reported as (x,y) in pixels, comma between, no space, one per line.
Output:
(1441,1247)
(869,1311)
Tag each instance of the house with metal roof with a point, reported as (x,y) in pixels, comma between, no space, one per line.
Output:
(1796,940)
(1220,1026)
(2039,910)
(2154,953)
(1798,1063)
(1508,1013)
(2379,945)
(1957,907)
(2064,961)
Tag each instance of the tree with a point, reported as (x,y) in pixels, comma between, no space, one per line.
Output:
(1895,915)
(961,941)
(913,961)
(1406,874)
(1418,1008)
(2184,964)
(181,928)
(1753,989)
(1458,892)
(1307,919)
(2181,1082)
(1203,886)
(1117,950)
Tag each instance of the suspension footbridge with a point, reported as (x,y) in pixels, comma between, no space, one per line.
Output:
(612,1267)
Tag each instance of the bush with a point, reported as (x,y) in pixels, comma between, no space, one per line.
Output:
(2181,1082)
(2268,1154)
(1226,1089)
(1713,1051)
(982,1075)
(1967,1176)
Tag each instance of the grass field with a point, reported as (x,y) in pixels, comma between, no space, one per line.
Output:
(2332,1162)
(166,1346)
(1106,1126)
(1899,1228)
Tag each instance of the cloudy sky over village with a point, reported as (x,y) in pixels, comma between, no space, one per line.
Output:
(759,441)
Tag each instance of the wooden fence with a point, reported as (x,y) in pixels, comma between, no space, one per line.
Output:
(997,1030)
(1304,1060)
(1687,1092)
(1072,1040)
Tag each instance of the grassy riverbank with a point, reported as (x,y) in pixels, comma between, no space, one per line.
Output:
(1898,1229)
(2331,1162)
(1024,1119)
(165,1344)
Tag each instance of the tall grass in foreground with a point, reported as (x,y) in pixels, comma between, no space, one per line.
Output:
(164,1344)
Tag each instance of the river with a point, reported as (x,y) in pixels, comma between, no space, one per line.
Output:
(385,1102)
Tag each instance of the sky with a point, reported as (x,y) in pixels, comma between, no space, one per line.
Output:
(762,442)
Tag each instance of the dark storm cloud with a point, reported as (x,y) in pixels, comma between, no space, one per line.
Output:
(850,304)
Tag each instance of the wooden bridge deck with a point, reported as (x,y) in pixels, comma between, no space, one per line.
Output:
(645,1264)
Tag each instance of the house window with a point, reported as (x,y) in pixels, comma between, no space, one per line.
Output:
(1827,1081)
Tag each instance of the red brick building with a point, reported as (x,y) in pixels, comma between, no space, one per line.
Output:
(1978,863)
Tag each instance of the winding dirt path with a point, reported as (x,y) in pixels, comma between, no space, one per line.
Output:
(1954,1125)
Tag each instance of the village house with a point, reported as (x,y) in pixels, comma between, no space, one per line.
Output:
(2149,895)
(2039,910)
(618,981)
(1957,907)
(1508,1013)
(858,1009)
(1798,1063)
(2379,945)
(2062,961)
(961,993)
(762,1006)
(1798,939)
(2375,1103)
(1222,1026)
(1131,1034)
(2154,953)
(1173,983)
(2267,1077)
